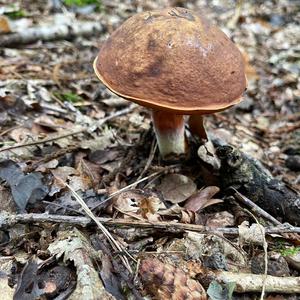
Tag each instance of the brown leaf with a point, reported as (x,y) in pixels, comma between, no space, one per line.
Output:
(202,199)
(20,134)
(103,156)
(51,164)
(207,153)
(89,171)
(187,217)
(44,124)
(4,25)
(60,176)
(82,182)
(176,187)
(128,202)
(63,172)
(149,207)
(220,219)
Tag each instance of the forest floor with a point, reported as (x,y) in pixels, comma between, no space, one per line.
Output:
(71,151)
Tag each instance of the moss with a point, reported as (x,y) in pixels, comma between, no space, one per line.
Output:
(69,97)
(81,3)
(290,251)
(16,14)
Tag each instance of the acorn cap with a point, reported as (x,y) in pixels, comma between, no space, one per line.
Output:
(174,60)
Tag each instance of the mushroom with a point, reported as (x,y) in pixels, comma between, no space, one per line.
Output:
(176,63)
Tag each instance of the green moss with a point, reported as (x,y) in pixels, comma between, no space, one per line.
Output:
(82,3)
(16,14)
(290,251)
(69,97)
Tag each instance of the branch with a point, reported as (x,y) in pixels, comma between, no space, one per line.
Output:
(255,208)
(246,282)
(69,29)
(7,220)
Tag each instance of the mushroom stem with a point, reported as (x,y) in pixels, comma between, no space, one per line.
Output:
(197,126)
(169,130)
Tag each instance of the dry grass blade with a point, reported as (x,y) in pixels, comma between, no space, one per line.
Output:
(110,238)
(265,247)
(134,184)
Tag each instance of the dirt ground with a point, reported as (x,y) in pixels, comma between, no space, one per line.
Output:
(71,151)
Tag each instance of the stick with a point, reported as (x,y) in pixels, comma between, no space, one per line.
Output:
(67,30)
(255,208)
(43,141)
(7,220)
(254,282)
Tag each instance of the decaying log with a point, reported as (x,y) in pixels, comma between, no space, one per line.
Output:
(66,30)
(248,177)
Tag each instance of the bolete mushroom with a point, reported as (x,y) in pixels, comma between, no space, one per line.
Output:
(176,63)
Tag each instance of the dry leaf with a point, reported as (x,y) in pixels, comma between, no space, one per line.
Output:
(21,134)
(60,176)
(187,217)
(73,246)
(103,156)
(4,25)
(64,172)
(255,234)
(149,207)
(202,199)
(207,154)
(176,188)
(127,202)
(52,164)
(220,219)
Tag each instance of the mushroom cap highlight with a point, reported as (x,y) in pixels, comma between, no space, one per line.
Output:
(173,60)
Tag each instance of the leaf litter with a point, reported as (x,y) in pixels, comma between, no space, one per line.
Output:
(52,108)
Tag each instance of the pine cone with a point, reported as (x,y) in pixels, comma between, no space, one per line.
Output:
(164,281)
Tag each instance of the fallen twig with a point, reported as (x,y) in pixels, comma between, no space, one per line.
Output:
(44,140)
(55,138)
(8,220)
(255,208)
(254,282)
(69,29)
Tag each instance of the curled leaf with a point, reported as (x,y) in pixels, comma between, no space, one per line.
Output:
(202,199)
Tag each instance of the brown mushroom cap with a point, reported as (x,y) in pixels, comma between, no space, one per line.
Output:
(174,60)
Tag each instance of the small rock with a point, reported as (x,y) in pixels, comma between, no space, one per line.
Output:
(215,261)
(277,265)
